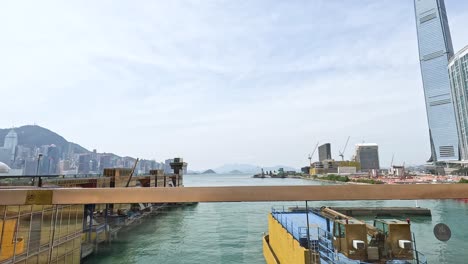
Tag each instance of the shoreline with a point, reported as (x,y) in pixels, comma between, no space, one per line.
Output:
(331,181)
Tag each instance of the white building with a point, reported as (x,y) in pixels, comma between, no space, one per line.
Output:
(397,170)
(11,140)
(6,171)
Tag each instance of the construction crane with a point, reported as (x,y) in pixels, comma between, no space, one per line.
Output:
(344,149)
(311,155)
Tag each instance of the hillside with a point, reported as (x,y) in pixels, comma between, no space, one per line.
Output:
(36,136)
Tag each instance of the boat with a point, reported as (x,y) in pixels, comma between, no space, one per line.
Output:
(327,236)
(261,175)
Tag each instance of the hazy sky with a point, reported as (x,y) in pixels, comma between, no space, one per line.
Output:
(220,81)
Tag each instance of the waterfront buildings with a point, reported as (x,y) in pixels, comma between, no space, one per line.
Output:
(458,73)
(67,233)
(367,154)
(435,50)
(332,166)
(324,152)
(21,147)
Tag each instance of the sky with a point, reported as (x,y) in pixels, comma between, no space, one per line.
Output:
(216,82)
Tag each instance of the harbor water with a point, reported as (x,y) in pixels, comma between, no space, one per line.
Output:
(232,232)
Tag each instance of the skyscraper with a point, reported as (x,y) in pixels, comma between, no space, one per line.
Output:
(53,158)
(11,140)
(367,154)
(324,152)
(435,50)
(167,166)
(458,72)
(9,147)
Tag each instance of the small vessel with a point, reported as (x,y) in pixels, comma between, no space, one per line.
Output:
(260,175)
(326,236)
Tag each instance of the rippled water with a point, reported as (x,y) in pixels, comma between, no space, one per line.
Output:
(231,232)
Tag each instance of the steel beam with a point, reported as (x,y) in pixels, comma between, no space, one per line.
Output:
(232,194)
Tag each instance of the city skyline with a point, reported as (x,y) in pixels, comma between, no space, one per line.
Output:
(31,150)
(263,83)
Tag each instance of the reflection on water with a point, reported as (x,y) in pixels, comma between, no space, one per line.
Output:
(231,232)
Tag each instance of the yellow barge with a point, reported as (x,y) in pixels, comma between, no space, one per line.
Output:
(326,236)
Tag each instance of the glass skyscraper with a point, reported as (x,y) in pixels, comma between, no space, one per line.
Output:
(458,72)
(435,50)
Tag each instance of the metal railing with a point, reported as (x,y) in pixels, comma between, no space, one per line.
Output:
(23,195)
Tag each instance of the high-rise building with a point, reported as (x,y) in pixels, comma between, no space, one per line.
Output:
(458,72)
(84,163)
(167,166)
(435,50)
(367,154)
(30,167)
(104,162)
(324,152)
(53,158)
(11,140)
(9,146)
(5,156)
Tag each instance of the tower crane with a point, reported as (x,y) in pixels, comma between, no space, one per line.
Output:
(344,149)
(313,152)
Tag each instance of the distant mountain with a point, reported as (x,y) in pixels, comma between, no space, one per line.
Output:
(209,172)
(245,168)
(235,172)
(36,136)
(249,168)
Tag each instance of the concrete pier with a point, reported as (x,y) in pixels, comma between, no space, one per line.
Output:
(376,211)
